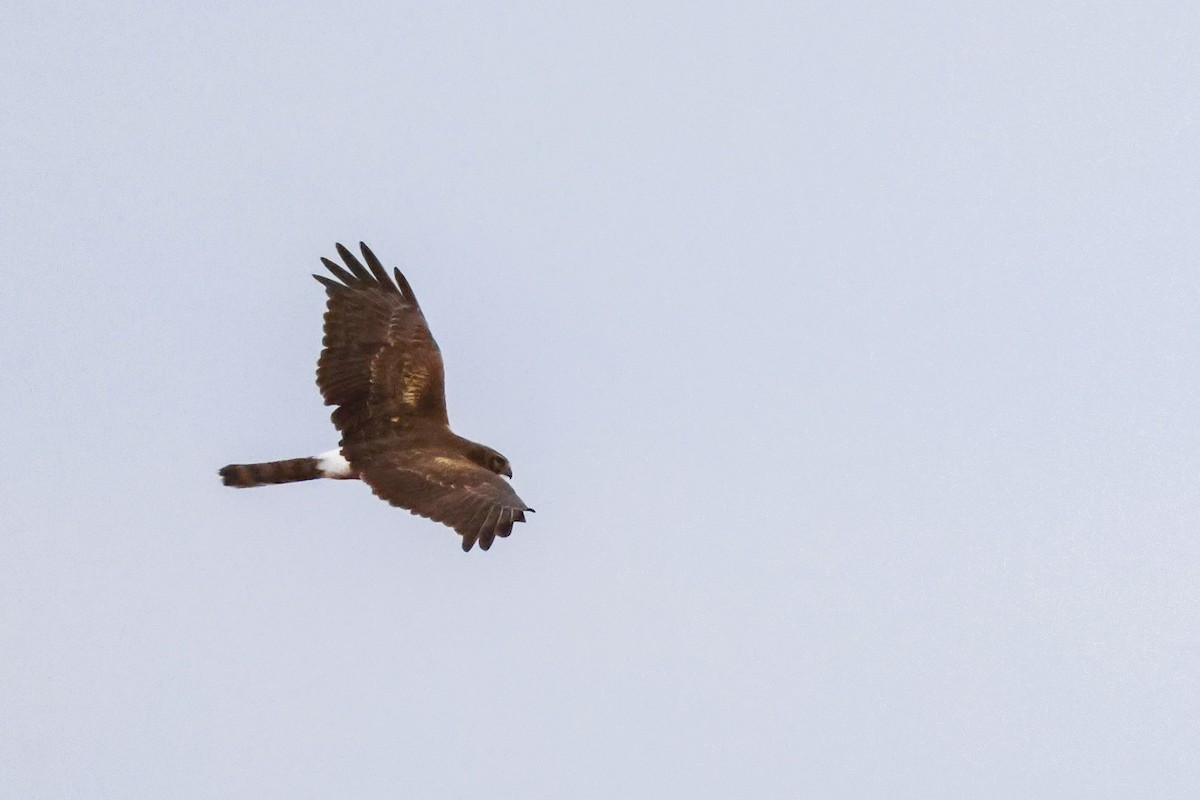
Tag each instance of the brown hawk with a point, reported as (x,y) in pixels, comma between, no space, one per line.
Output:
(382,369)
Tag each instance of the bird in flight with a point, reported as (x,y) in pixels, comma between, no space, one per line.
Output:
(382,369)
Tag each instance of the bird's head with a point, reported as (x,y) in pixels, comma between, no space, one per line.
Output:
(488,458)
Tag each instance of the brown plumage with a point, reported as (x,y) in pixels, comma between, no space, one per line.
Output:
(382,369)
(243,476)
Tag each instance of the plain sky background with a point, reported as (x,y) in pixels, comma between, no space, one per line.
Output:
(848,352)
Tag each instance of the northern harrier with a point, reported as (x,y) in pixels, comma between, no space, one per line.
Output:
(382,369)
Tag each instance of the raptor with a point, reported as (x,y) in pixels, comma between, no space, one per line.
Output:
(382,369)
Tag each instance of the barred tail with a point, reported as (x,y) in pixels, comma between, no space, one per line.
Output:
(244,476)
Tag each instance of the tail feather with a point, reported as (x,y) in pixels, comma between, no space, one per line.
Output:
(244,476)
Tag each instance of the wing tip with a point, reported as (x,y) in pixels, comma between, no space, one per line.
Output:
(354,275)
(404,287)
(377,269)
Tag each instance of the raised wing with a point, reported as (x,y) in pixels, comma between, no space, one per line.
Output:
(379,358)
(451,489)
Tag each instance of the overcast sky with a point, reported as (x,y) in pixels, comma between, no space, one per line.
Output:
(848,351)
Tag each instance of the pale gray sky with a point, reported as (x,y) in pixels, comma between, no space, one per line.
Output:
(848,352)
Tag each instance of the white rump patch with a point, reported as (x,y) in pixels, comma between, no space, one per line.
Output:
(333,464)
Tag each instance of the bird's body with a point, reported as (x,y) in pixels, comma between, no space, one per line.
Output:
(382,369)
